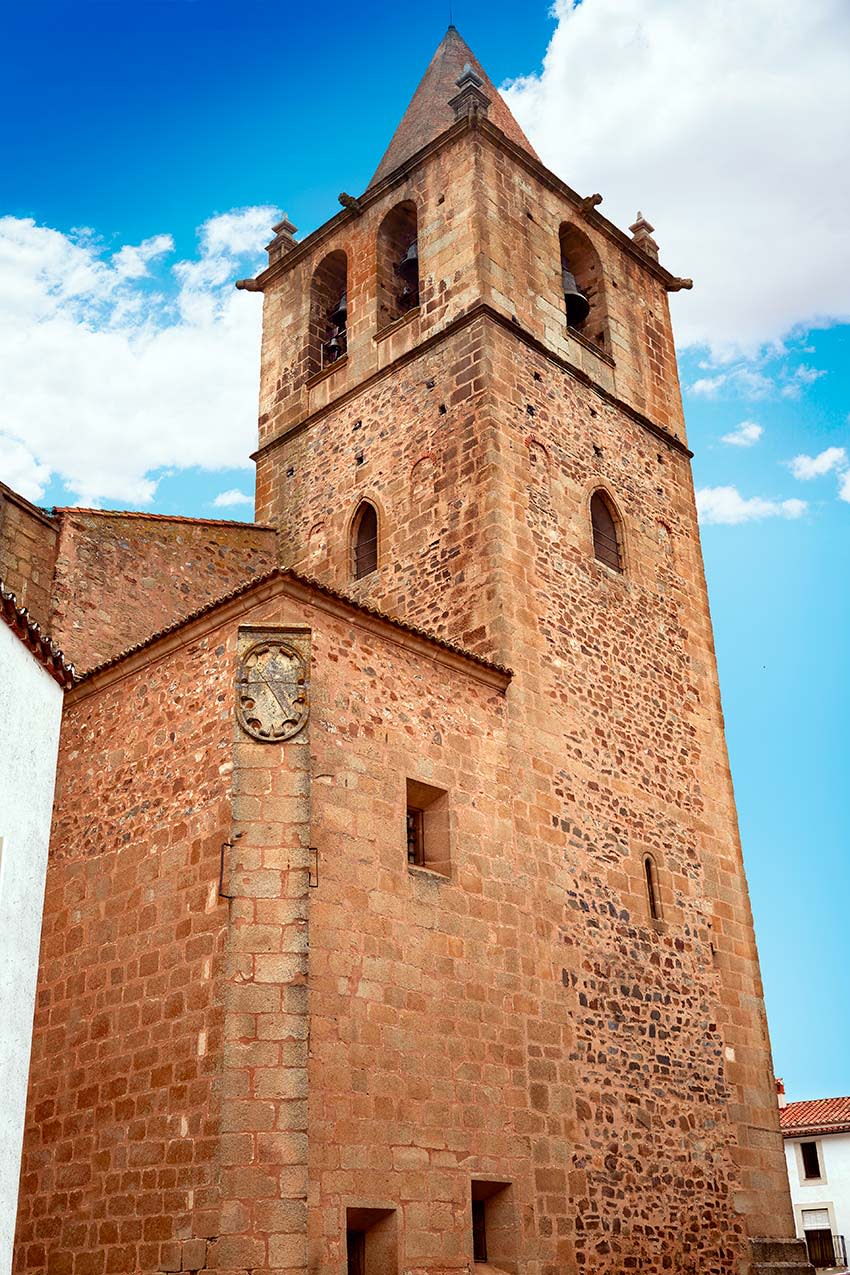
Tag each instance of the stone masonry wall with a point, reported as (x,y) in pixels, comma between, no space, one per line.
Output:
(121,577)
(27,553)
(121,1144)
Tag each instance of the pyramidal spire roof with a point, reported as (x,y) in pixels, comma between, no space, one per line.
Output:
(429,113)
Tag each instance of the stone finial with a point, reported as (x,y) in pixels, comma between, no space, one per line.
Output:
(642,236)
(471,101)
(284,240)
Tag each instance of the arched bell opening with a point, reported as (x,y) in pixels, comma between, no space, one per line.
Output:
(328,340)
(583,287)
(398,264)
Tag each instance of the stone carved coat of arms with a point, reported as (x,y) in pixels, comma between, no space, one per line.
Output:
(271,691)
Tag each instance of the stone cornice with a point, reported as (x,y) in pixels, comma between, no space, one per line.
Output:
(481,310)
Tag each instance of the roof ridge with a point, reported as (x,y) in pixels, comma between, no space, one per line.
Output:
(141,513)
(429,112)
(45,650)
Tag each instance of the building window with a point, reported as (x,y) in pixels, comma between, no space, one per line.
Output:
(606,539)
(653,895)
(328,335)
(494,1240)
(371,1242)
(398,264)
(428,827)
(364,540)
(811,1160)
(582,286)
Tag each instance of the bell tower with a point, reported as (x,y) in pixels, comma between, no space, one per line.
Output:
(470,418)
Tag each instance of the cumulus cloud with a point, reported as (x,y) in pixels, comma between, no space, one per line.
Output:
(114,366)
(747,434)
(691,112)
(844,487)
(226,499)
(726,505)
(806,467)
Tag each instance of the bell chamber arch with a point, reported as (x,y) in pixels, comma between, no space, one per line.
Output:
(583,286)
(398,263)
(328,335)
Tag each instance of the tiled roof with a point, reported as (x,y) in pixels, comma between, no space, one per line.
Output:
(820,1115)
(429,113)
(43,648)
(140,513)
(288,574)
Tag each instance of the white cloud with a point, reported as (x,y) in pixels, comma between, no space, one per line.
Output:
(114,367)
(727,505)
(691,111)
(225,499)
(844,487)
(806,467)
(747,434)
(800,377)
(20,470)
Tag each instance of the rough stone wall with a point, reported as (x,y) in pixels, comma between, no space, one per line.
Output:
(446,201)
(121,577)
(27,553)
(617,689)
(415,444)
(118,1170)
(520,274)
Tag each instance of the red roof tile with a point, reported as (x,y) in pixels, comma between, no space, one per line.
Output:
(42,647)
(429,113)
(820,1115)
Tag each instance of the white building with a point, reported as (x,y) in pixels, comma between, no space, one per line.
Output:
(817,1152)
(33,674)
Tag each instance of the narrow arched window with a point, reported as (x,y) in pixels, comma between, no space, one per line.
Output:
(606,540)
(364,541)
(653,897)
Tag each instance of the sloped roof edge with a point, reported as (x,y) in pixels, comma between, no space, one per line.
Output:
(35,640)
(287,573)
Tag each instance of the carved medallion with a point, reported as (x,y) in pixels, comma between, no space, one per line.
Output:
(271,691)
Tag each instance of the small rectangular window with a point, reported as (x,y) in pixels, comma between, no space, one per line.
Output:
(494,1236)
(811,1160)
(371,1242)
(428,827)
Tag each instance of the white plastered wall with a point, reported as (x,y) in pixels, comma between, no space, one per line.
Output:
(831,1191)
(30,716)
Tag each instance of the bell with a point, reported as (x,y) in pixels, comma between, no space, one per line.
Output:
(408,267)
(333,348)
(578,306)
(339,314)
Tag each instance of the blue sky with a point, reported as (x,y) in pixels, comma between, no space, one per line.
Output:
(129,126)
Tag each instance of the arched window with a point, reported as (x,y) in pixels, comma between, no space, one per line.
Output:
(364,541)
(398,264)
(606,539)
(653,895)
(583,286)
(328,336)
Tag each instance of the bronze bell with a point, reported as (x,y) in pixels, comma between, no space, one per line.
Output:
(339,314)
(334,348)
(578,306)
(408,267)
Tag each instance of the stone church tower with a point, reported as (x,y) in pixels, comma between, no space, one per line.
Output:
(396,917)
